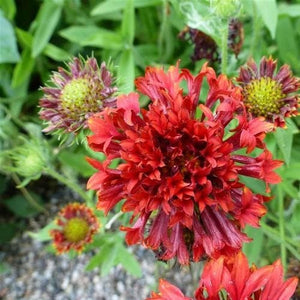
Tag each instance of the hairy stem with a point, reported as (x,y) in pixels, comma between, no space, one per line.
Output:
(281,225)
(72,185)
(27,195)
(224,49)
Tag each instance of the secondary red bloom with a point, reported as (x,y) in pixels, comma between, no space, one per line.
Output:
(167,291)
(77,225)
(270,95)
(179,174)
(234,278)
(240,282)
(79,92)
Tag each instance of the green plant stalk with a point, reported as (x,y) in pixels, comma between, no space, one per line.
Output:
(163,28)
(281,226)
(224,48)
(27,195)
(256,31)
(72,185)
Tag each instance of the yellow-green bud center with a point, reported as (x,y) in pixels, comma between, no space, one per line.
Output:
(76,230)
(263,96)
(75,96)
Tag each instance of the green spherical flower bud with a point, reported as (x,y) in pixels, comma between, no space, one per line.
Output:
(29,166)
(226,8)
(28,160)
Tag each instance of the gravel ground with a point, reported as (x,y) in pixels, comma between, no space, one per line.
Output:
(35,274)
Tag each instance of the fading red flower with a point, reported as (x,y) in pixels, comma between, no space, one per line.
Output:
(167,291)
(239,282)
(79,92)
(77,225)
(179,174)
(267,94)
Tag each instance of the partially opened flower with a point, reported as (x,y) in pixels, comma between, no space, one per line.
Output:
(179,172)
(76,226)
(267,93)
(79,92)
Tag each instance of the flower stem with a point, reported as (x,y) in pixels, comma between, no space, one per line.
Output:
(113,219)
(256,31)
(281,225)
(224,49)
(27,195)
(72,185)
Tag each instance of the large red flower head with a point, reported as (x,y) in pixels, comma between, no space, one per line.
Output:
(179,174)
(232,279)
(77,224)
(267,94)
(79,92)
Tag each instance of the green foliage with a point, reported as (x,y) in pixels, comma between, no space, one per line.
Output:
(21,207)
(46,22)
(113,252)
(9,52)
(269,13)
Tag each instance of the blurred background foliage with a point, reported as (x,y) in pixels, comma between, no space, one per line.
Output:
(38,36)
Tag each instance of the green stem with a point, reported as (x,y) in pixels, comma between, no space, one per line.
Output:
(27,195)
(256,31)
(72,185)
(224,49)
(163,27)
(113,219)
(281,225)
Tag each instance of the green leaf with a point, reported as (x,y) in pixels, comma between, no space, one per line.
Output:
(50,50)
(24,37)
(8,49)
(93,36)
(128,23)
(9,8)
(48,18)
(292,171)
(284,139)
(289,188)
(110,6)
(44,234)
(255,185)
(77,162)
(56,53)
(126,71)
(105,258)
(7,232)
(269,13)
(145,54)
(287,46)
(95,261)
(292,10)
(23,69)
(129,262)
(109,260)
(20,206)
(254,248)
